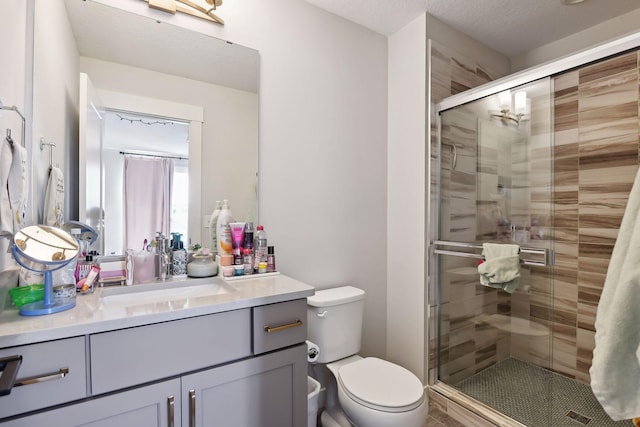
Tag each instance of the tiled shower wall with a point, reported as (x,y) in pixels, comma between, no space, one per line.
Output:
(596,159)
(596,128)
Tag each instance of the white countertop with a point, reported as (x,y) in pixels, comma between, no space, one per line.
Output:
(93,313)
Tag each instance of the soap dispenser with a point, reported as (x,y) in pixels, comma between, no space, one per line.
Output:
(178,256)
(163,259)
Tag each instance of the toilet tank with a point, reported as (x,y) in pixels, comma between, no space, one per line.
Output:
(334,322)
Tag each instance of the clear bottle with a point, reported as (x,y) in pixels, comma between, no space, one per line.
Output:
(259,247)
(213,225)
(271,260)
(223,231)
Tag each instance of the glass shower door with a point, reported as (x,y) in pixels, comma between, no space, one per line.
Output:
(495,341)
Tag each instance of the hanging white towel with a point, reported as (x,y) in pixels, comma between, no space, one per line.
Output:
(501,268)
(615,368)
(18,187)
(54,199)
(6,221)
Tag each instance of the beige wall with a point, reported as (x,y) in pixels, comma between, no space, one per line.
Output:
(14,78)
(605,31)
(55,110)
(406,197)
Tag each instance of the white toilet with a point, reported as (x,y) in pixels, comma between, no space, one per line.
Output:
(364,392)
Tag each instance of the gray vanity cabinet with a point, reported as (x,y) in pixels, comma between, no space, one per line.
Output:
(265,391)
(241,368)
(156,405)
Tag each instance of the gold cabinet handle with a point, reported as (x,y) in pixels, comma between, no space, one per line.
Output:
(171,403)
(270,329)
(63,372)
(192,408)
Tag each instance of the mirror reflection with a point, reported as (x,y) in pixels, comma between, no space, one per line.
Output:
(149,71)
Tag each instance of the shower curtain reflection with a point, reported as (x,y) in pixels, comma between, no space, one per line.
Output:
(148,184)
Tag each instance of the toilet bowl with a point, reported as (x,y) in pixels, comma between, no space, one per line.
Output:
(361,391)
(377,393)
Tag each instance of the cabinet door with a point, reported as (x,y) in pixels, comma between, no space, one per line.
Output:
(265,391)
(157,405)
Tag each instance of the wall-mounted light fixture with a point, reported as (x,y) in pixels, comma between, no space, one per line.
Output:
(191,7)
(505,105)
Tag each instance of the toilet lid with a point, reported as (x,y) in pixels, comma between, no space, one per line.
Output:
(381,385)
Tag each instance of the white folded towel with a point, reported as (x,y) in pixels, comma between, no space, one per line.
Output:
(6,216)
(501,268)
(54,199)
(615,368)
(18,186)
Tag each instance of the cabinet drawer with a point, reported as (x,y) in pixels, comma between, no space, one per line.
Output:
(279,325)
(147,353)
(41,371)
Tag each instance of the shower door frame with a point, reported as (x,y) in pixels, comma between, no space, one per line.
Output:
(581,58)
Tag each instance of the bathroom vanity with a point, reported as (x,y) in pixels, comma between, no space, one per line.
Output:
(183,353)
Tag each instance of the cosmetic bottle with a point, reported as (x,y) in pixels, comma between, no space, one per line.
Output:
(259,247)
(237,239)
(247,259)
(248,236)
(271,260)
(223,231)
(213,224)
(178,256)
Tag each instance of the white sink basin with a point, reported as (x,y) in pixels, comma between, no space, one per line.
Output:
(171,292)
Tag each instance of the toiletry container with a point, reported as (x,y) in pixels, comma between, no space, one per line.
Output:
(223,231)
(202,266)
(259,247)
(362,391)
(178,256)
(271,259)
(213,224)
(248,236)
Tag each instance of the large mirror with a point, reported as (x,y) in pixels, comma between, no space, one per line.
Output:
(148,90)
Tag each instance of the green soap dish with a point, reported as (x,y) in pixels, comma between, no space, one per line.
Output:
(27,294)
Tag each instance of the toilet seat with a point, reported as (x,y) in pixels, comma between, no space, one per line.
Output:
(381,385)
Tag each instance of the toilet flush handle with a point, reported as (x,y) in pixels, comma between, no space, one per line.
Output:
(323,314)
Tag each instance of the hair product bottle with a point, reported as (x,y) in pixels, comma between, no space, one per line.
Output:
(213,225)
(223,231)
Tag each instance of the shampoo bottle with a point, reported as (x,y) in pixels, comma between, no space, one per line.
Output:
(223,231)
(213,224)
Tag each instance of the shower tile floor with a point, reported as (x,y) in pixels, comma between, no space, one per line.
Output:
(536,397)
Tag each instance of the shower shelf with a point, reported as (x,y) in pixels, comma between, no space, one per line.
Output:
(544,255)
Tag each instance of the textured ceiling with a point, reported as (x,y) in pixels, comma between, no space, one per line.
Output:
(511,27)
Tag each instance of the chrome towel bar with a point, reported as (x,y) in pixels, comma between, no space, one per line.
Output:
(546,255)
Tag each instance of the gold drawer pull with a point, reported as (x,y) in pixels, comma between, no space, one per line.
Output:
(63,372)
(269,329)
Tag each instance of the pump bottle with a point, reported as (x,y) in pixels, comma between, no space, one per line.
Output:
(223,231)
(213,225)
